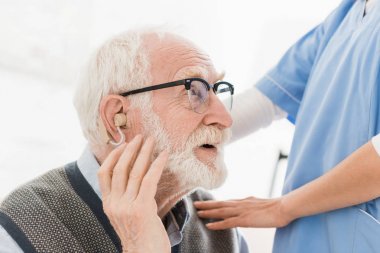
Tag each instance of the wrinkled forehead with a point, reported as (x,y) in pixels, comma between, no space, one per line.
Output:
(173,58)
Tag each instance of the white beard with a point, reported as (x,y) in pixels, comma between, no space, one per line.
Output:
(193,172)
(189,171)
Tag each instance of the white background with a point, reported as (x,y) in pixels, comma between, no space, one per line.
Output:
(44,43)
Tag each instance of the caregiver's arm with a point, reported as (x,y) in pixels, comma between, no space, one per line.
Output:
(353,181)
(251,111)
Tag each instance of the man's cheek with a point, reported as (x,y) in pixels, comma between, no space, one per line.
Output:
(177,140)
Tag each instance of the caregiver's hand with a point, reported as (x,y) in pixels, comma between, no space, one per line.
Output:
(248,212)
(128,182)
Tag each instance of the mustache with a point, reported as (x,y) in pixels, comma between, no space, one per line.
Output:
(208,135)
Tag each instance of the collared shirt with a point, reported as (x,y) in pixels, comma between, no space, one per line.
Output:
(174,221)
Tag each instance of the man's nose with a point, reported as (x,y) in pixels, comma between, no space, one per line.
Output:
(217,113)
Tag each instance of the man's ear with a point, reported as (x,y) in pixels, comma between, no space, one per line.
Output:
(110,107)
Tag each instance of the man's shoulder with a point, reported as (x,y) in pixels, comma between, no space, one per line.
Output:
(49,213)
(45,184)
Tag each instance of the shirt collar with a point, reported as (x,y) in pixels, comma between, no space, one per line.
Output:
(89,166)
(174,221)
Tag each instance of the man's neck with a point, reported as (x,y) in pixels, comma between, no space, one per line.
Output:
(170,190)
(169,202)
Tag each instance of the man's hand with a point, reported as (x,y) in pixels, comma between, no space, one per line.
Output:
(249,212)
(128,182)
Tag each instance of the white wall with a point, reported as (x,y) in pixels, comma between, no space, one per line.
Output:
(44,43)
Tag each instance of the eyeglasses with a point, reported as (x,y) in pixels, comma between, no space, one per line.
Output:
(197,91)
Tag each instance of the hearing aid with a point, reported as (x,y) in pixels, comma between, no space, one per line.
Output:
(120,121)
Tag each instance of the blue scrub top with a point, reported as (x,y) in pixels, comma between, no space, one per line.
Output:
(329,83)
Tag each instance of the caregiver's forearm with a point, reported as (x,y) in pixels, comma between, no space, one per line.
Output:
(355,180)
(251,111)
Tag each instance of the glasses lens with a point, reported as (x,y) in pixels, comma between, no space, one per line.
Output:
(224,93)
(198,96)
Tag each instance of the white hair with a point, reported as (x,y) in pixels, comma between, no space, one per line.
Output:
(120,64)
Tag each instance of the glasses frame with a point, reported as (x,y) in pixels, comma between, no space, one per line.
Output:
(187,83)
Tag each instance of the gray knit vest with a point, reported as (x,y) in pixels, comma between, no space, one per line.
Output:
(59,212)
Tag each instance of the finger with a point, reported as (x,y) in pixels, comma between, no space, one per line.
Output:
(220,213)
(224,224)
(212,204)
(105,171)
(149,184)
(123,165)
(139,169)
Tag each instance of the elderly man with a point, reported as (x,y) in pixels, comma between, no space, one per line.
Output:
(150,89)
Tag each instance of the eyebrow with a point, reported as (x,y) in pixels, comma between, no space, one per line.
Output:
(200,74)
(192,73)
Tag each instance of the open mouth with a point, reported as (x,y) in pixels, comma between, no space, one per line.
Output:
(208,146)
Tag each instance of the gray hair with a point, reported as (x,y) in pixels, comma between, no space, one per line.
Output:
(120,64)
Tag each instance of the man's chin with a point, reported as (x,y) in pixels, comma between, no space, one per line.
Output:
(209,175)
(217,180)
